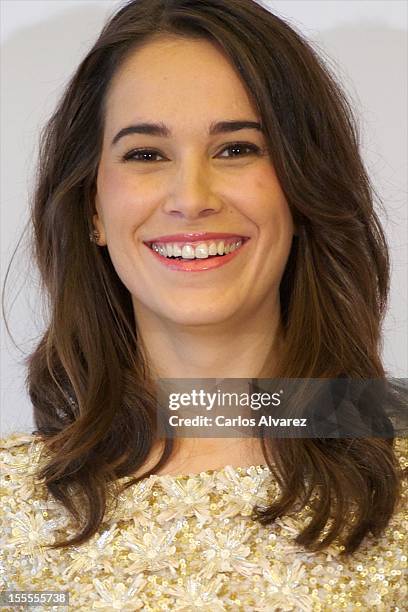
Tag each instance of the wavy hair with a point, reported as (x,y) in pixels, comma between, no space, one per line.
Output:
(88,379)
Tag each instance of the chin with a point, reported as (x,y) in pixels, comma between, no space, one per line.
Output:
(198,316)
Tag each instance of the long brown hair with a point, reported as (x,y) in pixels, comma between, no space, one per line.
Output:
(88,379)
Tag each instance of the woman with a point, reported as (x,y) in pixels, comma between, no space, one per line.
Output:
(210,129)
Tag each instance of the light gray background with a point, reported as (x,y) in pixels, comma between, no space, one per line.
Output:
(43,41)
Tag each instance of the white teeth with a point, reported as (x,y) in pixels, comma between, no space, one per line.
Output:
(212,249)
(187,252)
(201,251)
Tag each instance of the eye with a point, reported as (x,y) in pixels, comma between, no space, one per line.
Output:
(132,155)
(147,155)
(239,146)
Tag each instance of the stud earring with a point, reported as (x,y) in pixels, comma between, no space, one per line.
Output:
(94,236)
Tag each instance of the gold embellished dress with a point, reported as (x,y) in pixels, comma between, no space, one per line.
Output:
(187,543)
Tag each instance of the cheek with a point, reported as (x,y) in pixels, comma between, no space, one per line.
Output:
(265,203)
(116,185)
(123,203)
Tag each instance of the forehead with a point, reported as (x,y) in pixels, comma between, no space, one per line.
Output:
(180,82)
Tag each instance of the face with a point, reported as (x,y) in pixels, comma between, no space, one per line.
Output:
(193,180)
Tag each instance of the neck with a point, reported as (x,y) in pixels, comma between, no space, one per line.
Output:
(247,348)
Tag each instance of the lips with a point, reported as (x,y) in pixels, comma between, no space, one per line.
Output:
(162,249)
(192,237)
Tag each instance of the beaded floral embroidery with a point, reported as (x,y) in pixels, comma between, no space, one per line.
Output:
(188,543)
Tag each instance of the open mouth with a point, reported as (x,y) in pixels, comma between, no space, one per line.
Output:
(199,250)
(197,256)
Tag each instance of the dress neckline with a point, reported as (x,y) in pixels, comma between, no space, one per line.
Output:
(240,470)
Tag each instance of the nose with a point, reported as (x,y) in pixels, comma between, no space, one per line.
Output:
(191,193)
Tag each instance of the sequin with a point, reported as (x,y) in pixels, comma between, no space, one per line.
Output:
(188,543)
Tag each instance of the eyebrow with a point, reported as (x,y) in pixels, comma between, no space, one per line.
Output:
(159,129)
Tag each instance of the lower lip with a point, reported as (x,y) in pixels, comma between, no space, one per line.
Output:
(197,265)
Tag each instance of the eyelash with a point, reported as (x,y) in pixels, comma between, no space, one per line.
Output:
(255,150)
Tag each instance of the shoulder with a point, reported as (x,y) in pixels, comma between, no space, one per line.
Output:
(29,516)
(19,450)
(16,440)
(20,457)
(26,502)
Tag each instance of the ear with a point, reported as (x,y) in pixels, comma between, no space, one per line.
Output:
(98,223)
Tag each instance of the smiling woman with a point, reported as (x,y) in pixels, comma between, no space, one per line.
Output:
(202,211)
(190,189)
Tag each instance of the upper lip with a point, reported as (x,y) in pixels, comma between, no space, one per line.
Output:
(194,237)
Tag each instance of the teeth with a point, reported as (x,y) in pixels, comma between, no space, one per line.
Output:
(212,250)
(187,252)
(201,251)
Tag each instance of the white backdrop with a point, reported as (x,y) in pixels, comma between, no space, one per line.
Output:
(42,42)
